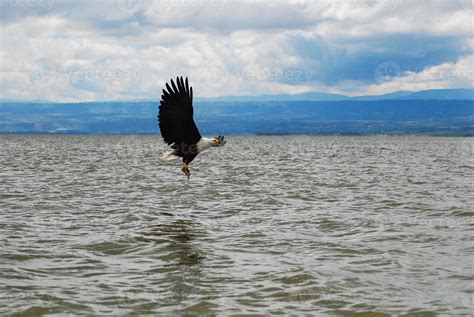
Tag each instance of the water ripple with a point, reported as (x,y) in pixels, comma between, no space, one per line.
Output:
(369,226)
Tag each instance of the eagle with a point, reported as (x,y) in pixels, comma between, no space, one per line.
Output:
(177,126)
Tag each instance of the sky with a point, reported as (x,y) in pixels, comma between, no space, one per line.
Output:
(86,50)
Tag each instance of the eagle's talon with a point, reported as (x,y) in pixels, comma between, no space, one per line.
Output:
(185,170)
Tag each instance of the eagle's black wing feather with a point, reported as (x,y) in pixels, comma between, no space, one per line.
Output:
(175,116)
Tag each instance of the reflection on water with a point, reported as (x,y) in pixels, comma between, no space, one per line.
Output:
(99,225)
(180,254)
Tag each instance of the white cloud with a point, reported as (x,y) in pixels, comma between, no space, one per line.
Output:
(87,50)
(446,75)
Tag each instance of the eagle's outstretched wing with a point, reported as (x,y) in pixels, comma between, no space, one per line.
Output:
(175,116)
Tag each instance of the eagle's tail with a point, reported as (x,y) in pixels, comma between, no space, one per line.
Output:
(169,155)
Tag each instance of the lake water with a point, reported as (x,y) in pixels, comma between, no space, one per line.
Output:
(327,226)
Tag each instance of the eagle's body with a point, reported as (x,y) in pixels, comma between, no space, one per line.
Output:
(177,125)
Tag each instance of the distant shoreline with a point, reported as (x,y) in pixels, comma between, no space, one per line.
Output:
(388,117)
(441,135)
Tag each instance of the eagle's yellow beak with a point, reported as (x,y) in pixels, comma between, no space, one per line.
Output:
(219,141)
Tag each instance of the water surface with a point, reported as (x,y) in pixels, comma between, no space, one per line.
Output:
(99,225)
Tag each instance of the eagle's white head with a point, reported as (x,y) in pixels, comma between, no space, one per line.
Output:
(206,143)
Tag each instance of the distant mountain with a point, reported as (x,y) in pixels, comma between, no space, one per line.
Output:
(443,94)
(440,94)
(441,117)
(309,96)
(22,101)
(435,94)
(391,96)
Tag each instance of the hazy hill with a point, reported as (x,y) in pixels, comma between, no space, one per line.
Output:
(445,94)
(310,96)
(441,94)
(284,117)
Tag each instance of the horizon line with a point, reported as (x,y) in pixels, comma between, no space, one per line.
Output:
(200,99)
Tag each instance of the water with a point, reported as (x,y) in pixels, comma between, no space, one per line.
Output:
(366,226)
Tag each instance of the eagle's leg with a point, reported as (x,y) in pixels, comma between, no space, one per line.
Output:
(185,170)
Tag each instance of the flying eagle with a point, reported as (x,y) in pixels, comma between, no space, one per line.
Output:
(175,118)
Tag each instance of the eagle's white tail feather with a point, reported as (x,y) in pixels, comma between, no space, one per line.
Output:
(169,155)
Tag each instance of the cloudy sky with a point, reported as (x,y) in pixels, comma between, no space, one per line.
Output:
(84,50)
